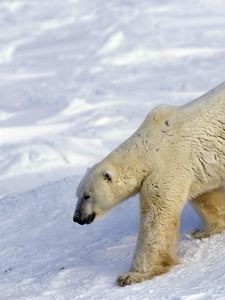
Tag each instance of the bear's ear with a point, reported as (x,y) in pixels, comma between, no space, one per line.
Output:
(108,176)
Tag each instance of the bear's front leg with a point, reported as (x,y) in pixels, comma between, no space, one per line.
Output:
(156,247)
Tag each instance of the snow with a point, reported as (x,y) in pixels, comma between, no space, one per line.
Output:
(76,78)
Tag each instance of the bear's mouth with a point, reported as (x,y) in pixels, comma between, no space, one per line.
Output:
(87,220)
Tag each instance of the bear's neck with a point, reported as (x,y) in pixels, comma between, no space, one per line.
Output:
(130,158)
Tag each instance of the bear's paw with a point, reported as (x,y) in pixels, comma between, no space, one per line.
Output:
(132,277)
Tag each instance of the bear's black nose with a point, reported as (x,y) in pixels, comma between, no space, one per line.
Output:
(87,220)
(77,217)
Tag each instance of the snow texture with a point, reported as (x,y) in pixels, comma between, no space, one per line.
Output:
(76,78)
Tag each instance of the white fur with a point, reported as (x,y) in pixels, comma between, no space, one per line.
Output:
(178,153)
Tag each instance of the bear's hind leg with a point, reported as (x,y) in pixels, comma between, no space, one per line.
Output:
(210,207)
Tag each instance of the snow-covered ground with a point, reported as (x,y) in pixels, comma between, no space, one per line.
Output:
(76,78)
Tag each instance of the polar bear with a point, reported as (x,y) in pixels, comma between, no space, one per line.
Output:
(178,153)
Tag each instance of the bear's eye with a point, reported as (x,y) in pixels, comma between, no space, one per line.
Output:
(86,196)
(107,177)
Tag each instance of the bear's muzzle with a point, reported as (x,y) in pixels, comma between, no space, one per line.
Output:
(78,218)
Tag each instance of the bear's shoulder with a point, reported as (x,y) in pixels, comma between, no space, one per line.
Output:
(161,113)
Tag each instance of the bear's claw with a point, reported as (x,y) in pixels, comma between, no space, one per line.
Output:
(131,278)
(198,234)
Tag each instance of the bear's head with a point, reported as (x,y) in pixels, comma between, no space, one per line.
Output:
(102,187)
